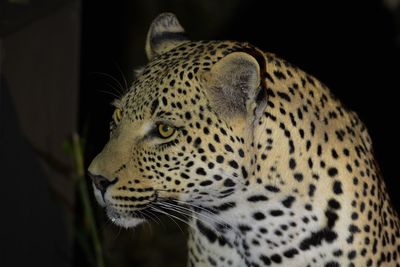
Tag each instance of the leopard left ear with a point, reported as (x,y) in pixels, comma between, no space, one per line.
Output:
(235,85)
(165,33)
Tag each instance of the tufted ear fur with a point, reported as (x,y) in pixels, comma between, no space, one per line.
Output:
(236,87)
(164,33)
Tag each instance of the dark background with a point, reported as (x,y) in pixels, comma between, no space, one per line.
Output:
(351,46)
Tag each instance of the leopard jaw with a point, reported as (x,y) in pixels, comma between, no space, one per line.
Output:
(123,221)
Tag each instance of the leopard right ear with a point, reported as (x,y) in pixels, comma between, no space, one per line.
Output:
(236,86)
(165,33)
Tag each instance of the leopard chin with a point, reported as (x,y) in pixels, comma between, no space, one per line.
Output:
(123,220)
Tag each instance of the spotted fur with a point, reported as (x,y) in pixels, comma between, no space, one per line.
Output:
(269,166)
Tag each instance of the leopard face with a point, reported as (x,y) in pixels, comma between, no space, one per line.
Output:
(179,132)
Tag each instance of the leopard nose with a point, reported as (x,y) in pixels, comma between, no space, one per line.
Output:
(101,182)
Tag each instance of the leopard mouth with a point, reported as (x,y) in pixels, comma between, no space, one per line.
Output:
(132,216)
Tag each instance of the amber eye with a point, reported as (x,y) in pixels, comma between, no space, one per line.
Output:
(165,130)
(117,116)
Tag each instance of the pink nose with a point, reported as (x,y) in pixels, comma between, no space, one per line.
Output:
(101,182)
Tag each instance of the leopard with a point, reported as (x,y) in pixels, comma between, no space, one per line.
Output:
(258,157)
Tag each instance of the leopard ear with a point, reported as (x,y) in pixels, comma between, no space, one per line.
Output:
(164,33)
(236,86)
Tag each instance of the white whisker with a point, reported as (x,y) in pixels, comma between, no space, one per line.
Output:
(109,93)
(172,217)
(120,90)
(191,212)
(218,218)
(122,74)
